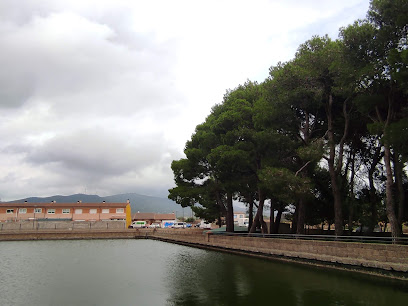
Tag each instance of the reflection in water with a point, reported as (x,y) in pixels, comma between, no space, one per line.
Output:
(212,278)
(145,272)
(222,279)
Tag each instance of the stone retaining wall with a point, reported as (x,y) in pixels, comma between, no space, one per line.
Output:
(383,256)
(369,255)
(66,235)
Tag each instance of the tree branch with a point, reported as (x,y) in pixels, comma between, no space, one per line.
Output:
(304,166)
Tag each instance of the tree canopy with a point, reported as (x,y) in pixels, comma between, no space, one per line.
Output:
(324,137)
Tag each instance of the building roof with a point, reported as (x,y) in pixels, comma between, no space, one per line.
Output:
(153,216)
(55,204)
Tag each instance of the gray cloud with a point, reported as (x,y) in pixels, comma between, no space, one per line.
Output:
(98,153)
(70,61)
(14,91)
(101,95)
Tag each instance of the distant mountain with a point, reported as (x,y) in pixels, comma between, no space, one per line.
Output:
(138,202)
(86,198)
(143,203)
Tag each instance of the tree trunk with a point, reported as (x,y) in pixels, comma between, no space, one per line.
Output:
(350,219)
(251,212)
(392,219)
(272,218)
(221,205)
(255,225)
(300,228)
(372,192)
(351,206)
(338,213)
(400,188)
(259,215)
(301,216)
(256,222)
(264,226)
(389,203)
(294,222)
(230,213)
(277,221)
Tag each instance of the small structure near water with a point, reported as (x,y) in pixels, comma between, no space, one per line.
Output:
(151,218)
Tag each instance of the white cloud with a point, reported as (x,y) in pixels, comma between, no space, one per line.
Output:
(102,95)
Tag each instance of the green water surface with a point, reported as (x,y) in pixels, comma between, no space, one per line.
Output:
(147,272)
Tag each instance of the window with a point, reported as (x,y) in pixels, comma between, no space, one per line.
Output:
(119,210)
(10,211)
(66,210)
(22,211)
(241,216)
(105,210)
(78,211)
(235,216)
(51,211)
(92,211)
(37,210)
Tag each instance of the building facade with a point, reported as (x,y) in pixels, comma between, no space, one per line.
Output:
(240,219)
(11,212)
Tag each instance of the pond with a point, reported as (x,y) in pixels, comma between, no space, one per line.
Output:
(148,272)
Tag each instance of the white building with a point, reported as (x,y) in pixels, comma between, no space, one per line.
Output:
(240,219)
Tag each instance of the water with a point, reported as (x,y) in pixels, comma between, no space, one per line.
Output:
(147,272)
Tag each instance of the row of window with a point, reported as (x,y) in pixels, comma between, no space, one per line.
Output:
(51,211)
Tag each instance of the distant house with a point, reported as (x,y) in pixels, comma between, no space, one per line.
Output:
(153,217)
(240,219)
(66,211)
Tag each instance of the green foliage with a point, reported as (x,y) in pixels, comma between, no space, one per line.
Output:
(312,152)
(397,135)
(284,184)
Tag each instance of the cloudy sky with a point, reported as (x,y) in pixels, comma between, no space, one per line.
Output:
(100,96)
